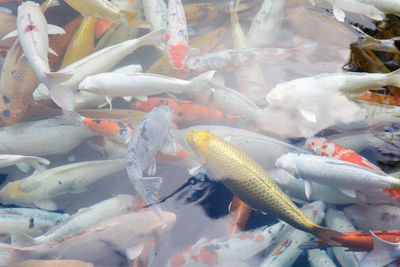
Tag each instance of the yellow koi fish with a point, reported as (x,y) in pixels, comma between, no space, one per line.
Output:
(249,182)
(104,9)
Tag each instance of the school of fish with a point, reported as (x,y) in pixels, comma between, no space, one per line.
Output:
(194,133)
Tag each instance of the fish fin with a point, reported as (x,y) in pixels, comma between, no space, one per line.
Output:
(131,17)
(52,3)
(369,37)
(308,115)
(109,101)
(348,192)
(384,252)
(152,168)
(148,188)
(201,81)
(307,188)
(361,196)
(196,169)
(134,252)
(128,98)
(62,96)
(51,51)
(53,29)
(46,204)
(8,255)
(201,240)
(5,10)
(22,166)
(59,77)
(21,239)
(326,234)
(312,2)
(338,14)
(12,34)
(141,98)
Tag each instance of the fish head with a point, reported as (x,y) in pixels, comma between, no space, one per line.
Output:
(284,93)
(27,7)
(178,55)
(199,141)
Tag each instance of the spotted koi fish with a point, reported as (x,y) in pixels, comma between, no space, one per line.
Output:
(177,38)
(323,147)
(186,112)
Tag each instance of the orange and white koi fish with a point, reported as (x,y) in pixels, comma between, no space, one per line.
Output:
(32,31)
(326,148)
(186,112)
(177,37)
(118,131)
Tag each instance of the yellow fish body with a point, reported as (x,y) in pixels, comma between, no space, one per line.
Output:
(249,182)
(106,10)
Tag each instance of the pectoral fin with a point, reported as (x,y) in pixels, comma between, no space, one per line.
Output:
(307,188)
(141,98)
(46,204)
(134,252)
(53,29)
(348,192)
(51,51)
(12,34)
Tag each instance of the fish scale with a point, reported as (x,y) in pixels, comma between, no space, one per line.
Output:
(248,181)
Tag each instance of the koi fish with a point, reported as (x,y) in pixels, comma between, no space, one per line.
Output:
(39,138)
(32,31)
(81,220)
(347,177)
(82,43)
(380,99)
(21,161)
(104,9)
(102,26)
(8,24)
(101,61)
(326,148)
(52,263)
(228,249)
(140,85)
(33,222)
(248,180)
(177,38)
(103,244)
(187,112)
(150,134)
(156,13)
(39,188)
(118,131)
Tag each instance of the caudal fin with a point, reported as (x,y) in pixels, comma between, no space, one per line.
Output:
(201,81)
(21,239)
(327,235)
(384,252)
(394,78)
(9,255)
(131,17)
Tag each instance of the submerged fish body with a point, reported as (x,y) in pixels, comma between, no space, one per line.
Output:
(39,188)
(103,244)
(228,250)
(248,180)
(149,136)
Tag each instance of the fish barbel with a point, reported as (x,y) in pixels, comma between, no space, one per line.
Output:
(249,181)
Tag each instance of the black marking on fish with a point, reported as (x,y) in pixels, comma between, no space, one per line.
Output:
(180,114)
(6,113)
(97,121)
(130,163)
(397,44)
(31,223)
(59,182)
(5,99)
(143,134)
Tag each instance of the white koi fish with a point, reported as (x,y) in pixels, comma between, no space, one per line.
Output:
(104,244)
(33,30)
(337,220)
(101,61)
(309,95)
(44,137)
(39,188)
(156,13)
(140,85)
(266,25)
(149,136)
(228,250)
(286,251)
(345,176)
(177,37)
(32,222)
(22,162)
(373,217)
(83,219)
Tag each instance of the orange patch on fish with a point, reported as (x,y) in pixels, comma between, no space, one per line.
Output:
(178,54)
(208,255)
(284,245)
(393,193)
(102,25)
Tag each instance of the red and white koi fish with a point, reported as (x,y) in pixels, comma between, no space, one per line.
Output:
(228,250)
(177,37)
(326,148)
(32,31)
(187,112)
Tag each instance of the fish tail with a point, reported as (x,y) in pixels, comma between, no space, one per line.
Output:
(394,78)
(201,81)
(62,96)
(155,38)
(131,17)
(327,235)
